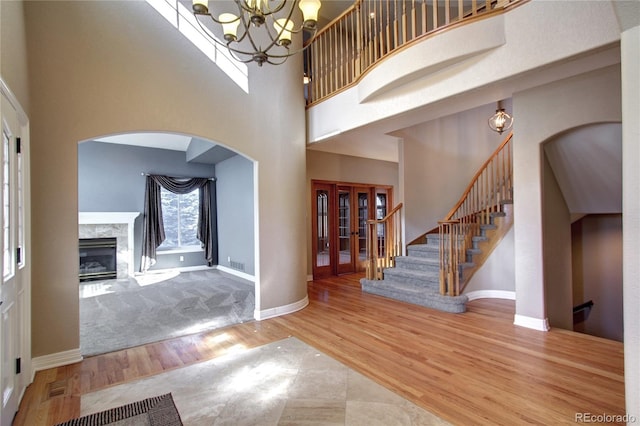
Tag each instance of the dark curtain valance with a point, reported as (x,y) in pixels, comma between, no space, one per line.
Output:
(153,227)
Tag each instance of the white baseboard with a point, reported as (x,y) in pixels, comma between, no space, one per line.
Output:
(491,294)
(281,310)
(55,360)
(179,269)
(236,273)
(540,324)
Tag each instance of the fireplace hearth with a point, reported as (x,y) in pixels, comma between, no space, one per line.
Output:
(98,258)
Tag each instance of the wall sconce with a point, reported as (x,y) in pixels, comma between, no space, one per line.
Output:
(500,121)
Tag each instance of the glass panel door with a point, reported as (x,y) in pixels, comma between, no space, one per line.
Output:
(362,195)
(345,231)
(322,230)
(339,215)
(322,239)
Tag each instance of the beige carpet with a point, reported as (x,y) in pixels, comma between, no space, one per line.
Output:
(283,383)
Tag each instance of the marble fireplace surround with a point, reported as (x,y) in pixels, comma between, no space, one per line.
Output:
(112,224)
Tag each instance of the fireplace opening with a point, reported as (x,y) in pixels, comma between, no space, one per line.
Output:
(97,258)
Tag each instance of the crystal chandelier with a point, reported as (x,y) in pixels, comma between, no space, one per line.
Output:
(500,121)
(272,17)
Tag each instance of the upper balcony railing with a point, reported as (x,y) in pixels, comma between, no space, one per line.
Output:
(371,30)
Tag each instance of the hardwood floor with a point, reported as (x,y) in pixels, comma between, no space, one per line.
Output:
(472,368)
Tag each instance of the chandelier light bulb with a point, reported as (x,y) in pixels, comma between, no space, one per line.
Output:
(229,23)
(284,27)
(500,121)
(247,44)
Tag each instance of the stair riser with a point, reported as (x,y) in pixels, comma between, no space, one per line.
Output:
(427,300)
(410,264)
(426,281)
(424,254)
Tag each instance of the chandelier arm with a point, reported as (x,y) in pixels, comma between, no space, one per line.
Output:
(243,5)
(231,50)
(259,54)
(291,52)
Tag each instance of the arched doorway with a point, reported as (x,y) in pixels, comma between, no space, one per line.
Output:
(582,215)
(180,294)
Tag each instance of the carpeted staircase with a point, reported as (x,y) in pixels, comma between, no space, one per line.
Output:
(480,219)
(415,279)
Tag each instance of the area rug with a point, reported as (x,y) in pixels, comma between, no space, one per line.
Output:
(154,411)
(132,312)
(287,382)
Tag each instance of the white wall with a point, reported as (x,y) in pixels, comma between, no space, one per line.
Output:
(497,273)
(629,16)
(533,34)
(102,67)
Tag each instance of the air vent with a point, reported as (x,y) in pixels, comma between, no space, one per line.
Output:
(236,265)
(55,389)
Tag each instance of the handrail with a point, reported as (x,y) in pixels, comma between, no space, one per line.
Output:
(583,306)
(384,243)
(490,188)
(477,175)
(341,53)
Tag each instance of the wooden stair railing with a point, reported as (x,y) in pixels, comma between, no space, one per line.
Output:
(371,30)
(488,191)
(384,243)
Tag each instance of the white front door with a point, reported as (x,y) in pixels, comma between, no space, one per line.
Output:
(13,297)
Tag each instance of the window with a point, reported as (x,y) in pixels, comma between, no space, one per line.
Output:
(7,226)
(181,18)
(180,217)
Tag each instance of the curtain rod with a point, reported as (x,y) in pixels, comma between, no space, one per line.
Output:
(179,177)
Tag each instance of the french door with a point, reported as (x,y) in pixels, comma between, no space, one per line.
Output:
(339,224)
(14,287)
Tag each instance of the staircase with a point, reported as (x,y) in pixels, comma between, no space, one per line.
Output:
(440,263)
(416,279)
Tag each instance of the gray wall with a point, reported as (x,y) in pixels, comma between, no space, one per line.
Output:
(110,180)
(597,273)
(556,230)
(236,213)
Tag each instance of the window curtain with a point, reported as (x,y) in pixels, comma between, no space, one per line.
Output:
(153,227)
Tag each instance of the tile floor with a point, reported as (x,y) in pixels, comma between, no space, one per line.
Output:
(283,383)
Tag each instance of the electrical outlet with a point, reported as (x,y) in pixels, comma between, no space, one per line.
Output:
(229,259)
(181,258)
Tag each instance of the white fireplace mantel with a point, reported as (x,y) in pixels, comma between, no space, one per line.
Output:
(96,218)
(113,218)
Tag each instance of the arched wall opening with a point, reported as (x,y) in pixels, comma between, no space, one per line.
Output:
(582,229)
(111,192)
(541,113)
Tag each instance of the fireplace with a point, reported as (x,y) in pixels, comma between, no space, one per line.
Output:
(98,258)
(118,225)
